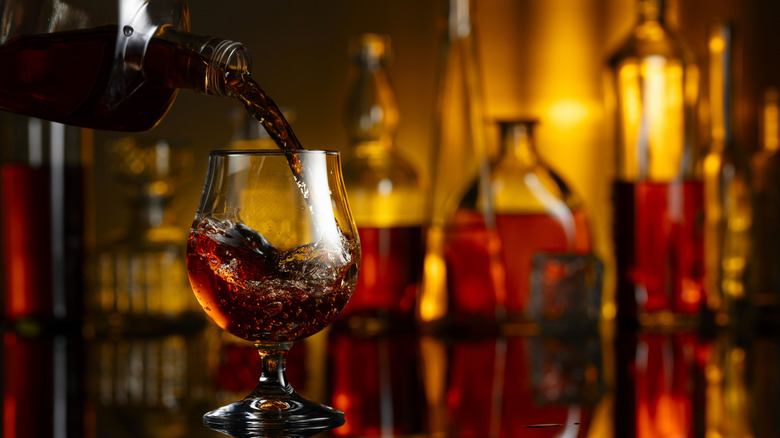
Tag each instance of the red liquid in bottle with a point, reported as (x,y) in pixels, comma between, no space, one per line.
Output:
(390,273)
(523,235)
(658,247)
(28,226)
(64,76)
(474,272)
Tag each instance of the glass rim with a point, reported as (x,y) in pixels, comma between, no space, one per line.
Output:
(262,152)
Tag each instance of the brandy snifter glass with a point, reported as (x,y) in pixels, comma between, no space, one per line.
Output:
(273,257)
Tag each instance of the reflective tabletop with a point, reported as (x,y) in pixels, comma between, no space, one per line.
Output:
(598,382)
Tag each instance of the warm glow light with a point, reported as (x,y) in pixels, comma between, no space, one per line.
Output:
(433,299)
(717,104)
(717,44)
(566,114)
(771,131)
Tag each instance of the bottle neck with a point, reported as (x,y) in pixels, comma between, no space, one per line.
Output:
(201,63)
(518,143)
(721,83)
(651,10)
(459,19)
(372,114)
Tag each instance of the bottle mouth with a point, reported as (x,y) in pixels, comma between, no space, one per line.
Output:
(229,59)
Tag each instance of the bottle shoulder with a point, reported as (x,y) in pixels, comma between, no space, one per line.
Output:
(534,189)
(381,166)
(652,40)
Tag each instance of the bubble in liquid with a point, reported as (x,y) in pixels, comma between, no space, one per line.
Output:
(127,30)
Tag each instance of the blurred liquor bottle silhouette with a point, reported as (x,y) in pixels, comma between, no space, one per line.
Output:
(140,278)
(765,261)
(536,212)
(657,192)
(462,278)
(386,194)
(42,209)
(43,218)
(727,189)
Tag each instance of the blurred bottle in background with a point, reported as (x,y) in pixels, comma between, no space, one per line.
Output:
(140,278)
(462,278)
(657,193)
(386,194)
(42,178)
(765,263)
(535,212)
(727,191)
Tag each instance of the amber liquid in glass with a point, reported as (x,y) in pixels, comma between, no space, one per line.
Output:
(659,247)
(255,292)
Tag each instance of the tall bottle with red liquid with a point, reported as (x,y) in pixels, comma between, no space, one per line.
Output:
(657,191)
(386,194)
(535,212)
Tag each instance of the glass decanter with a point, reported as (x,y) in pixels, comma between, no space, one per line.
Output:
(535,212)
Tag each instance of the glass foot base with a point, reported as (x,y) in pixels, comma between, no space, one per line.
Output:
(289,416)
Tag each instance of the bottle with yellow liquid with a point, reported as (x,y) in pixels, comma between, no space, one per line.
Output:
(386,194)
(657,193)
(727,191)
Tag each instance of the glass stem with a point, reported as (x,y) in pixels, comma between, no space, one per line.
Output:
(273,379)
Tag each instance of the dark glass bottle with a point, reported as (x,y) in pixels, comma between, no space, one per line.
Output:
(765,260)
(727,191)
(120,76)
